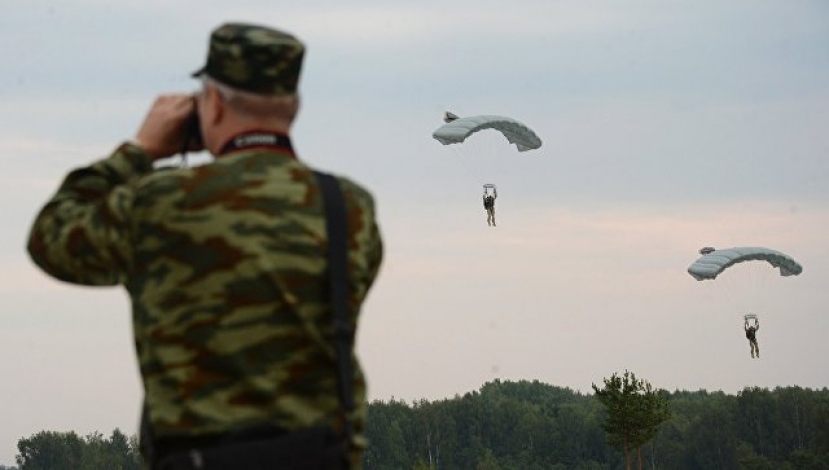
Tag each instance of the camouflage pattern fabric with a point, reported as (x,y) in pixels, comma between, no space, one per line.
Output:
(225,265)
(254,58)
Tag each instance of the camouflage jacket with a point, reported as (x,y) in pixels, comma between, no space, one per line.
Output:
(225,265)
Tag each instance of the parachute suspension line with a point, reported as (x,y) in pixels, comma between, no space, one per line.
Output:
(460,163)
(762,275)
(465,165)
(762,284)
(483,160)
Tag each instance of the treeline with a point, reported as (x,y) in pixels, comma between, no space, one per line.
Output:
(530,425)
(50,450)
(534,426)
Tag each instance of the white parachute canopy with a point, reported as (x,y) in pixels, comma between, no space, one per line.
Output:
(713,262)
(458,129)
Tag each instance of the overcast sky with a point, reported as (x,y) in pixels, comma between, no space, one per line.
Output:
(667,126)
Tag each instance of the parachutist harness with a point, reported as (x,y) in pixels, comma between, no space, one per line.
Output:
(751,329)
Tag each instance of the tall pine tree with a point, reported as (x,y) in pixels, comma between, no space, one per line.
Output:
(634,412)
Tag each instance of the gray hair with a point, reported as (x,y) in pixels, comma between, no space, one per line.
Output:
(255,105)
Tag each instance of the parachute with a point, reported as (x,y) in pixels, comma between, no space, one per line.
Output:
(458,129)
(713,262)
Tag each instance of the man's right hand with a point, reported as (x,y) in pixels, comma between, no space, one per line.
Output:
(162,133)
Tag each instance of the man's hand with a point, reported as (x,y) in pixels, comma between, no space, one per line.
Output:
(163,131)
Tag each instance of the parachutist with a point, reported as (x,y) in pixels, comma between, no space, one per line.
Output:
(489,203)
(751,334)
(713,262)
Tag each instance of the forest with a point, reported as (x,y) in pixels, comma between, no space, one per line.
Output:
(529,425)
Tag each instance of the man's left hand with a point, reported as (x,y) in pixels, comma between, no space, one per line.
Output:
(162,133)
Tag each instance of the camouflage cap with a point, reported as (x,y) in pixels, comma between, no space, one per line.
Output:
(254,58)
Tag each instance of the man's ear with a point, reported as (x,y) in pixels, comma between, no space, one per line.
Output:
(215,105)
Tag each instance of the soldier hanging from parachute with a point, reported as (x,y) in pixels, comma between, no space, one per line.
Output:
(490,195)
(713,262)
(458,129)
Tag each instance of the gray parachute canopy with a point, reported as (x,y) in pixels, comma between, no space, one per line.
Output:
(713,262)
(457,129)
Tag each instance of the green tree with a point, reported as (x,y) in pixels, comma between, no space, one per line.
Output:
(421,465)
(115,453)
(49,450)
(755,407)
(487,462)
(710,440)
(386,431)
(634,412)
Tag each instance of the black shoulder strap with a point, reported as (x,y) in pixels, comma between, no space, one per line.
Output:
(337,230)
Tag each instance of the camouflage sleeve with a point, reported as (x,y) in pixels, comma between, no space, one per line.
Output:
(375,254)
(368,247)
(82,235)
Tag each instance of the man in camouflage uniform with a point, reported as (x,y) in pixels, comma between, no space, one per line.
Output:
(751,335)
(489,205)
(225,263)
